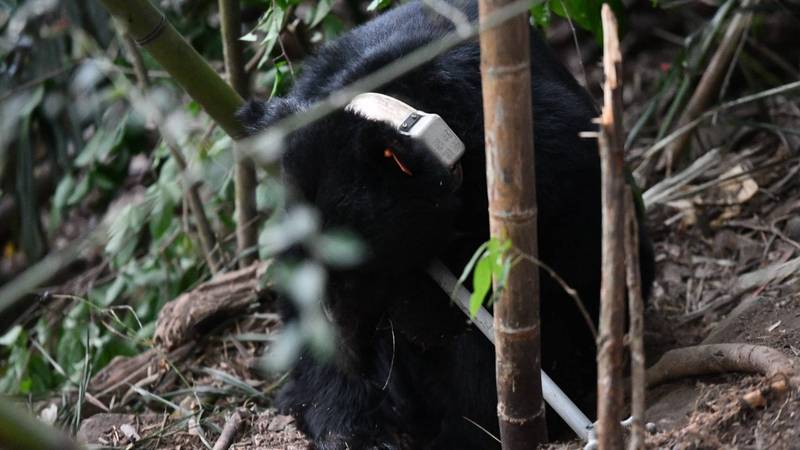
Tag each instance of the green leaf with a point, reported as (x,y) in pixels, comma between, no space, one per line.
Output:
(63,191)
(332,27)
(163,211)
(481,282)
(115,290)
(278,82)
(108,135)
(471,263)
(270,24)
(585,13)
(103,181)
(12,111)
(233,381)
(25,385)
(379,5)
(124,230)
(339,248)
(321,11)
(11,336)
(498,248)
(541,15)
(80,191)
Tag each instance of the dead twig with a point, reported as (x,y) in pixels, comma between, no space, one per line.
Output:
(136,60)
(680,131)
(664,190)
(636,328)
(114,380)
(229,431)
(712,77)
(208,240)
(587,318)
(178,322)
(712,359)
(610,390)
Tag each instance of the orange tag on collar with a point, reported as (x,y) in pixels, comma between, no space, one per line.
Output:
(389,153)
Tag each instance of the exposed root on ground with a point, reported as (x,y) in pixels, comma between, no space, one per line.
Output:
(715,359)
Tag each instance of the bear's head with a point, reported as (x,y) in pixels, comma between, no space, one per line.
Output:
(365,176)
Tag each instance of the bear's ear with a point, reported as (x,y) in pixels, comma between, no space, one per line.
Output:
(257,115)
(379,142)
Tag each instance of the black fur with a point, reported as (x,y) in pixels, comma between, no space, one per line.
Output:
(408,368)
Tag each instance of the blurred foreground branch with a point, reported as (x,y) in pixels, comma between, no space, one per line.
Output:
(18,430)
(152,31)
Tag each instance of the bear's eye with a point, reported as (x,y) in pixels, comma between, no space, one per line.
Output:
(389,153)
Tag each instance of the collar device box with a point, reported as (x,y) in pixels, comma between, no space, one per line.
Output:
(429,129)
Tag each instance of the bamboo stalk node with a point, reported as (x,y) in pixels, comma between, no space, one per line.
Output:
(154,34)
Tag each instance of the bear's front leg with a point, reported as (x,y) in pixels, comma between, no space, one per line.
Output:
(339,410)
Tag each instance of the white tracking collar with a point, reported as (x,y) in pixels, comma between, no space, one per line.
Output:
(430,129)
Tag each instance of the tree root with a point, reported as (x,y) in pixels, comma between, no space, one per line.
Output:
(178,323)
(713,359)
(223,296)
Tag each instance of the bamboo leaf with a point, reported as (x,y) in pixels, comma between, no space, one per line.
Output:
(321,11)
(379,5)
(481,282)
(233,381)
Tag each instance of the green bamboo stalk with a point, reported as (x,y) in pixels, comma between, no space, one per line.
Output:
(230,26)
(151,30)
(245,173)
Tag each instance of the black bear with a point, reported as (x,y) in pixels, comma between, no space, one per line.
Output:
(410,372)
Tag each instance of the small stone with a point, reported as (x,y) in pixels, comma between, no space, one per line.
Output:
(279,423)
(130,432)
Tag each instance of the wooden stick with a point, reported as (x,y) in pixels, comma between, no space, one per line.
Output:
(610,389)
(229,432)
(636,328)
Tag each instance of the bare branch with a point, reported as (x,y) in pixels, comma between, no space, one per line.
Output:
(229,432)
(610,390)
(636,328)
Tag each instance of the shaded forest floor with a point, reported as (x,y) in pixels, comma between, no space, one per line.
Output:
(727,246)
